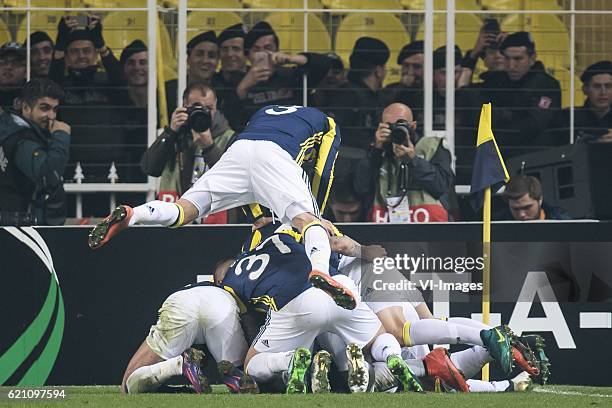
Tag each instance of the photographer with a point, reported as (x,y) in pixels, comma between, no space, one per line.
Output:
(407,175)
(194,141)
(33,155)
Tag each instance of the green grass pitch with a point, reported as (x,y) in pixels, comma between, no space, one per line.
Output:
(555,396)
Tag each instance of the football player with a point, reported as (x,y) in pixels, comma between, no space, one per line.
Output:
(284,160)
(199,313)
(272,275)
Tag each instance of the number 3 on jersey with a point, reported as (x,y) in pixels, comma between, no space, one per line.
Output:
(282,110)
(247,264)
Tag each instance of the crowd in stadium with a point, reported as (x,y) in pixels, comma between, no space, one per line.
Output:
(384,162)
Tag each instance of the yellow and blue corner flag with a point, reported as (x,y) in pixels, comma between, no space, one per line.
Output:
(489,168)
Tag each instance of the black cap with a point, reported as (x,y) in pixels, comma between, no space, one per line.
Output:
(14,48)
(259,30)
(598,68)
(37,37)
(208,36)
(79,35)
(132,48)
(519,39)
(368,52)
(235,31)
(335,61)
(439,57)
(415,47)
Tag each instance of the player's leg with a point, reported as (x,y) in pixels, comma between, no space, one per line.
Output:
(170,339)
(362,327)
(521,383)
(279,346)
(281,185)
(225,185)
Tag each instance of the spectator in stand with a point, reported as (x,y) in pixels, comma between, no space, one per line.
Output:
(525,98)
(487,48)
(233,61)
(335,78)
(202,61)
(593,121)
(406,176)
(134,60)
(180,155)
(33,153)
(132,97)
(410,86)
(268,81)
(41,54)
(345,205)
(526,202)
(97,134)
(356,105)
(12,73)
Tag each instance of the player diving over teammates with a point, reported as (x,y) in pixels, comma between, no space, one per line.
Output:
(271,275)
(283,160)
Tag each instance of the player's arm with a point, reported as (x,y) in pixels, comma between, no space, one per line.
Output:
(349,247)
(324,167)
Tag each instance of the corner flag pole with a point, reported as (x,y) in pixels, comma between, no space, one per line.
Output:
(486,273)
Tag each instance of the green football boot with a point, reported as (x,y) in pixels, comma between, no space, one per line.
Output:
(400,370)
(497,342)
(297,371)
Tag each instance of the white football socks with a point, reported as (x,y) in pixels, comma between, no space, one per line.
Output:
(316,243)
(155,213)
(385,345)
(470,361)
(434,331)
(464,321)
(486,386)
(264,366)
(149,378)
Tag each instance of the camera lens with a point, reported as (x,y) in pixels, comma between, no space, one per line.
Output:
(199,119)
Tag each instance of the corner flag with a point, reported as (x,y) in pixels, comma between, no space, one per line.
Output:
(489,168)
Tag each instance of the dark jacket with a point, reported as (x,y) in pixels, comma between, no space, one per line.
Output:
(285,87)
(587,126)
(434,176)
(521,110)
(98,137)
(357,109)
(550,213)
(32,163)
(177,148)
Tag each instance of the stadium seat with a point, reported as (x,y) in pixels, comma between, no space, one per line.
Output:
(520,4)
(364,4)
(275,4)
(201,21)
(441,4)
(5,34)
(123,27)
(549,33)
(467,27)
(35,3)
(46,21)
(290,29)
(563,76)
(206,3)
(385,27)
(112,3)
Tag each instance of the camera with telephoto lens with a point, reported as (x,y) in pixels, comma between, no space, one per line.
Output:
(199,118)
(400,131)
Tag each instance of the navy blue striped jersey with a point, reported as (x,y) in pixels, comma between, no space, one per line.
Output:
(271,275)
(307,134)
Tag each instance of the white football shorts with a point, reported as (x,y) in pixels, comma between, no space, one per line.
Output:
(255,171)
(311,313)
(199,315)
